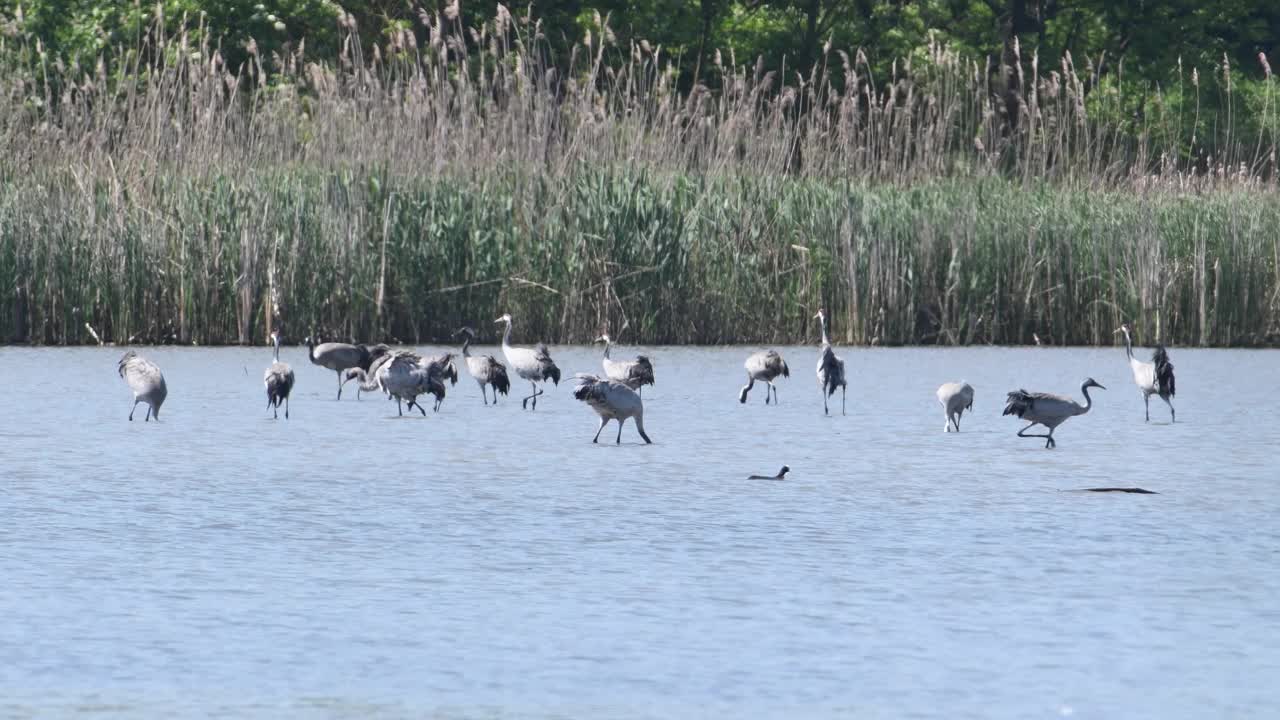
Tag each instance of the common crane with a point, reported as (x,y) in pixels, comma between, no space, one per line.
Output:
(341,356)
(486,369)
(830,368)
(782,475)
(1048,410)
(955,399)
(1152,378)
(635,374)
(146,381)
(532,364)
(279,381)
(611,400)
(764,366)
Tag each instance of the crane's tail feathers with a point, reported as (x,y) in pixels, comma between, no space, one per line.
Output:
(1020,401)
(1164,371)
(786,371)
(552,373)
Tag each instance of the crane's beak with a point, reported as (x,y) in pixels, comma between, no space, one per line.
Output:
(1100,386)
(498,320)
(1118,331)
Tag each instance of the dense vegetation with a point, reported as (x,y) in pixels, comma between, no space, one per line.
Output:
(436,173)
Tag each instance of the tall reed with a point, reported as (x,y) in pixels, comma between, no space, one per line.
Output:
(175,199)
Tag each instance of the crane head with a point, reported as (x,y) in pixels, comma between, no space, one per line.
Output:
(1090,382)
(506,318)
(604,338)
(822,313)
(1124,328)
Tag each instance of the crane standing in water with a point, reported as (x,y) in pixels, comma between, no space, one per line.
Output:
(532,364)
(1152,378)
(830,368)
(612,401)
(635,374)
(279,381)
(146,381)
(955,399)
(1048,410)
(486,369)
(764,366)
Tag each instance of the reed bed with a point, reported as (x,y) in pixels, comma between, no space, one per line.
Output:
(452,175)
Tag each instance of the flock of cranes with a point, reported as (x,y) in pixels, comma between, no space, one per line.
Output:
(404,376)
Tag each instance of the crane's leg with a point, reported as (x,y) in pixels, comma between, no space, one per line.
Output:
(399,410)
(135,407)
(775,393)
(621,421)
(339,385)
(603,422)
(286,407)
(414,403)
(742,394)
(825,411)
(1173,416)
(1146,401)
(275,411)
(1023,433)
(844,392)
(956,420)
(485,395)
(640,428)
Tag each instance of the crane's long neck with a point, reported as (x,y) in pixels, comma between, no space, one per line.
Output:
(607,344)
(506,335)
(311,349)
(1128,344)
(466,343)
(823,319)
(276,354)
(1088,401)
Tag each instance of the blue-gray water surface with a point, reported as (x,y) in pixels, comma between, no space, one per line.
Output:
(492,562)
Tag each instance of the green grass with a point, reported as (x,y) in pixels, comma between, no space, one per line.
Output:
(677,259)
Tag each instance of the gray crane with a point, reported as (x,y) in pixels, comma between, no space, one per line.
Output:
(635,374)
(146,381)
(341,356)
(1152,378)
(532,364)
(955,399)
(408,375)
(764,366)
(279,381)
(1048,410)
(830,368)
(367,377)
(611,400)
(486,369)
(782,475)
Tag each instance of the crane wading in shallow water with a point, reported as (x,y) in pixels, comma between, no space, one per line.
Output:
(635,374)
(764,366)
(146,381)
(1048,410)
(1152,378)
(611,400)
(532,364)
(279,381)
(955,399)
(830,368)
(484,368)
(341,356)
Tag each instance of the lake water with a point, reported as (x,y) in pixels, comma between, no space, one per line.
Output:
(492,562)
